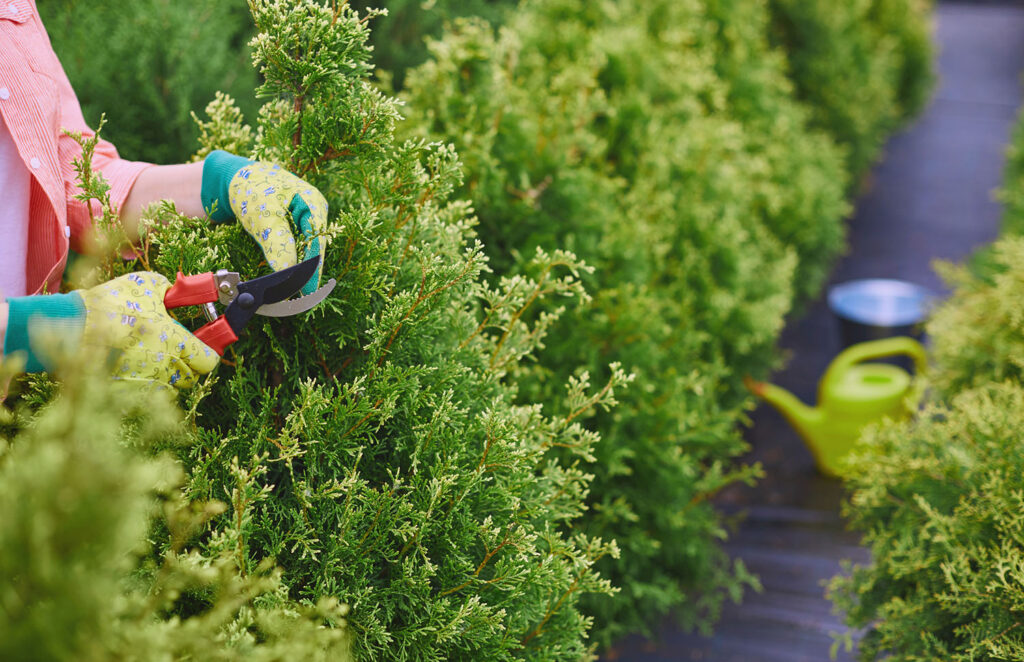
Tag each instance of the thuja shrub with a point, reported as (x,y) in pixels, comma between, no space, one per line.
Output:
(732,85)
(661,142)
(377,447)
(939,502)
(399,38)
(1012,192)
(938,498)
(862,67)
(84,493)
(147,64)
(857,66)
(978,335)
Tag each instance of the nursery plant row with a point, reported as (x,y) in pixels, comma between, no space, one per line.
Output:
(938,498)
(562,233)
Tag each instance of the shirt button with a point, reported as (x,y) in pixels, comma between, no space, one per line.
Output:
(35,162)
(4,93)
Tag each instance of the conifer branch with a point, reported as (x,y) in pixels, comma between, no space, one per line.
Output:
(109,230)
(476,573)
(594,400)
(330,155)
(553,609)
(470,263)
(538,290)
(487,449)
(297,135)
(239,507)
(322,362)
(376,517)
(487,317)
(374,410)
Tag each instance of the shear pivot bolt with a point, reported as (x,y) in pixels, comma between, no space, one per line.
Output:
(246,300)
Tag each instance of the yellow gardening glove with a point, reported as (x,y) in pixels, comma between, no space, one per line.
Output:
(272,205)
(122,321)
(128,314)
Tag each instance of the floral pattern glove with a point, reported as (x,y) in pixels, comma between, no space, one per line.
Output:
(271,204)
(127,315)
(122,321)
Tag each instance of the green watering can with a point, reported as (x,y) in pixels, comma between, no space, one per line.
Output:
(851,394)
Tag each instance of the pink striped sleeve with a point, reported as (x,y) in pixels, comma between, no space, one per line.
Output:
(120,173)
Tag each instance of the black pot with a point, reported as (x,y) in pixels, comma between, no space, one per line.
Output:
(876,308)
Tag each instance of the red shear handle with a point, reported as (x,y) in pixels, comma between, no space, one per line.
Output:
(191,290)
(218,334)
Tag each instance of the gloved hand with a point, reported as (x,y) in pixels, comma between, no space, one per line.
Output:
(269,202)
(123,320)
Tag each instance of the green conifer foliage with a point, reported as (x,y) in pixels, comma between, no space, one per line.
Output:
(661,142)
(939,502)
(147,64)
(399,38)
(1012,193)
(939,498)
(82,492)
(862,66)
(978,335)
(376,447)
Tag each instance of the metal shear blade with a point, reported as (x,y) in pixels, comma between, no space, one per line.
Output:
(296,306)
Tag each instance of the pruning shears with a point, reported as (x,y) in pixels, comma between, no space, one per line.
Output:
(266,295)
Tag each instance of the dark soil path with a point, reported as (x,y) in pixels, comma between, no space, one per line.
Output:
(930,198)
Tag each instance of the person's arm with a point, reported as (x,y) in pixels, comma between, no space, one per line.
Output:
(122,322)
(181,184)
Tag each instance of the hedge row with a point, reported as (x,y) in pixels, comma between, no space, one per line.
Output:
(661,143)
(860,67)
(482,447)
(938,498)
(666,145)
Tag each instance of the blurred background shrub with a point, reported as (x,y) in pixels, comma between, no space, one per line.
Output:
(148,64)
(399,39)
(863,67)
(1012,192)
(939,498)
(664,143)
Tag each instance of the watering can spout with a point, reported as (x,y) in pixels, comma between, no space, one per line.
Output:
(807,420)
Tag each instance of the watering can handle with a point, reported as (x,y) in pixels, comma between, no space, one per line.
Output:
(876,349)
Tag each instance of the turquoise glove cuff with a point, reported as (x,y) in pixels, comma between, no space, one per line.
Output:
(62,315)
(218,170)
(301,215)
